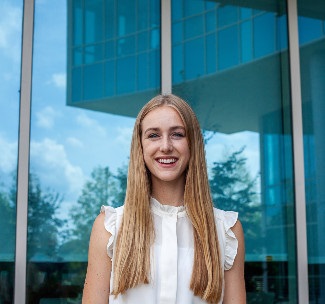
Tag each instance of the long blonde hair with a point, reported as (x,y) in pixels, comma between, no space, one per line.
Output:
(136,234)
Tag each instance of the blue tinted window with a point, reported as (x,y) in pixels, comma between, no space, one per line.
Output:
(78,19)
(177,32)
(143,41)
(110,78)
(194,27)
(309,29)
(177,10)
(178,65)
(94,31)
(193,7)
(264,35)
(143,14)
(245,13)
(282,34)
(211,21)
(76,84)
(211,51)
(110,21)
(227,15)
(94,53)
(228,47)
(93,81)
(246,41)
(110,49)
(143,71)
(126,75)
(154,63)
(194,59)
(126,46)
(126,17)
(77,56)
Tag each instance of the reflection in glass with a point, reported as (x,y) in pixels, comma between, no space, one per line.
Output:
(10,61)
(236,86)
(95,63)
(312,62)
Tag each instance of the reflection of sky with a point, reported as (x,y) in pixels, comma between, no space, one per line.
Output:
(66,142)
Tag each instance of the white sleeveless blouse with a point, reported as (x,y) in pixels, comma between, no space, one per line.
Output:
(172,254)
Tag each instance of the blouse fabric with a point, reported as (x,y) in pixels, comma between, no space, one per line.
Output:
(172,254)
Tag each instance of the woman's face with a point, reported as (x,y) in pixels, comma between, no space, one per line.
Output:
(165,145)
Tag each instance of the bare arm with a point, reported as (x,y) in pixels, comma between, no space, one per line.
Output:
(96,288)
(235,292)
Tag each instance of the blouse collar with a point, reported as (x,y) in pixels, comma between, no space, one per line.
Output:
(159,208)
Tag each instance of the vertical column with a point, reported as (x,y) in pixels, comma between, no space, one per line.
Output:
(166,58)
(23,153)
(298,151)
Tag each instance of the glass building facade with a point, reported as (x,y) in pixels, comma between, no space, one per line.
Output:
(74,75)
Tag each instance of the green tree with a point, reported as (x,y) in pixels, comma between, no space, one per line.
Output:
(43,222)
(233,188)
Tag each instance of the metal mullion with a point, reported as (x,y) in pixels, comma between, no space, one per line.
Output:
(23,153)
(298,154)
(166,58)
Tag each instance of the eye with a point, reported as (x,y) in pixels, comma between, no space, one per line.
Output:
(153,135)
(178,135)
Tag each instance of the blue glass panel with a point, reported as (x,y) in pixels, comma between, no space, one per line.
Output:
(211,21)
(110,20)
(110,80)
(126,75)
(246,41)
(264,35)
(126,16)
(193,7)
(177,32)
(78,19)
(194,59)
(143,41)
(77,56)
(245,13)
(178,64)
(177,10)
(143,72)
(76,84)
(110,49)
(227,15)
(210,5)
(194,27)
(94,53)
(211,51)
(228,47)
(154,63)
(309,29)
(126,46)
(93,81)
(94,31)
(282,33)
(143,14)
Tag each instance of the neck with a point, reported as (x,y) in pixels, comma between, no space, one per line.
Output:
(168,193)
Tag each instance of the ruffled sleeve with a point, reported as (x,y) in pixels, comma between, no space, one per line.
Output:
(110,226)
(225,220)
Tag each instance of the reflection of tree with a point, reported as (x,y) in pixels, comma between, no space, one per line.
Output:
(233,188)
(103,188)
(43,222)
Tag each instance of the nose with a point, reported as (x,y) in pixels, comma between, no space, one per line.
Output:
(166,145)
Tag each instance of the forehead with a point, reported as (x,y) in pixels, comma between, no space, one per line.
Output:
(163,115)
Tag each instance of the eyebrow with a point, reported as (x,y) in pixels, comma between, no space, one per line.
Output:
(157,129)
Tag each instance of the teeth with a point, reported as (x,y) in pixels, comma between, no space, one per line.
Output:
(167,161)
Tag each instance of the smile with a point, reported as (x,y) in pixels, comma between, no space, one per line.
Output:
(167,160)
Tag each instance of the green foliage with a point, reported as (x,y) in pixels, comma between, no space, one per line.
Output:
(43,222)
(233,188)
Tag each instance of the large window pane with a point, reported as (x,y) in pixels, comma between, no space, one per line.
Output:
(95,63)
(10,58)
(234,76)
(312,62)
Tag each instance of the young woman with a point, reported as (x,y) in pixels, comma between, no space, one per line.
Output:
(167,244)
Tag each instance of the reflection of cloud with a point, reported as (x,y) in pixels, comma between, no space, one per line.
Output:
(46,117)
(74,142)
(86,121)
(59,80)
(124,136)
(8,155)
(53,166)
(10,30)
